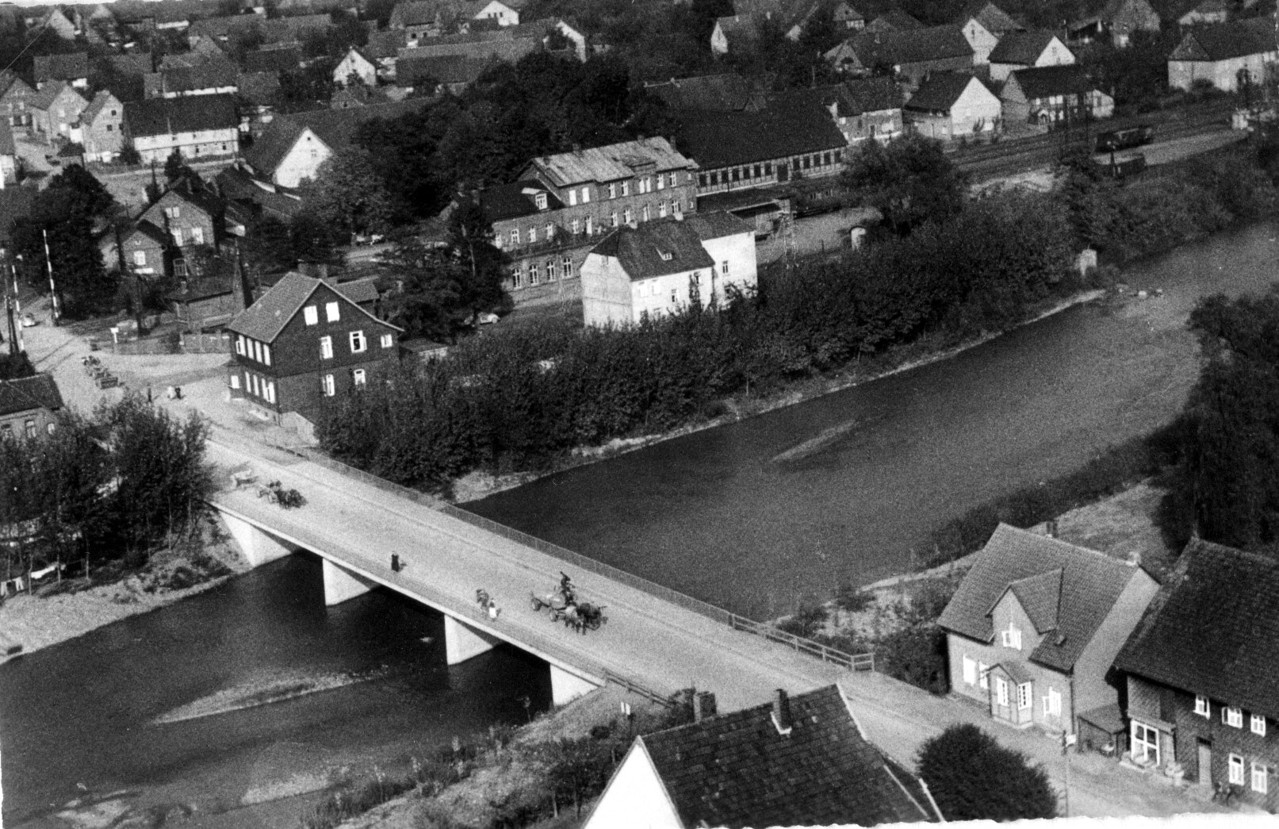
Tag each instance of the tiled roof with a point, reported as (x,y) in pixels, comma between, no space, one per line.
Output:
(61,67)
(282,59)
(100,101)
(1223,41)
(386,44)
(850,98)
(893,20)
(939,92)
(443,69)
(359,291)
(501,47)
(137,63)
(192,113)
(1040,597)
(26,394)
(1017,670)
(1213,629)
(737,28)
(1047,81)
(183,79)
(50,91)
(717,224)
(511,201)
(992,18)
(728,92)
(737,770)
(897,48)
(1021,47)
(722,139)
(259,88)
(335,127)
(266,318)
(655,249)
(145,228)
(610,163)
(1090,584)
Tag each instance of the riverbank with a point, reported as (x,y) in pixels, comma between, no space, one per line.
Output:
(59,612)
(478,485)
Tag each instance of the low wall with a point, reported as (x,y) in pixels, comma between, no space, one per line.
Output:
(164,344)
(206,343)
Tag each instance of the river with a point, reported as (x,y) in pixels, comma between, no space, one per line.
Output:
(758,515)
(751,516)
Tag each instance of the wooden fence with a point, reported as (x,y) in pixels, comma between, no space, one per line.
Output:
(851,661)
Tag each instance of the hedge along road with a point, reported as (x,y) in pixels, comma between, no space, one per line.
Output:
(760,514)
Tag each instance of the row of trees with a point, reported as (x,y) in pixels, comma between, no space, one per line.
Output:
(110,485)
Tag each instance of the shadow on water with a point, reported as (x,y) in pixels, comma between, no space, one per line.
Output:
(83,712)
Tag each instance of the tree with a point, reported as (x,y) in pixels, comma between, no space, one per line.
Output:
(348,195)
(173,166)
(129,154)
(972,777)
(311,239)
(268,247)
(910,181)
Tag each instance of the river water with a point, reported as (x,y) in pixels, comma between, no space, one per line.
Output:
(756,515)
(83,711)
(751,516)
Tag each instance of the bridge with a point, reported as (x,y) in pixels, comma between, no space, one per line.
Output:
(655,641)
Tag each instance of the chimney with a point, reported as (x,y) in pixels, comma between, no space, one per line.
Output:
(781,712)
(703,706)
(577,148)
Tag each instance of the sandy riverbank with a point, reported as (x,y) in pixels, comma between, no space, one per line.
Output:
(479,484)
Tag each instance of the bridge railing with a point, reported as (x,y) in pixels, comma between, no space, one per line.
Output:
(853,662)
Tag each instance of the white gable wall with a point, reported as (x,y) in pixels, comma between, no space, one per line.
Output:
(635,797)
(738,251)
(354,64)
(502,13)
(302,160)
(982,41)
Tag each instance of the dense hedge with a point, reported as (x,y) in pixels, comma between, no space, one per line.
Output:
(519,398)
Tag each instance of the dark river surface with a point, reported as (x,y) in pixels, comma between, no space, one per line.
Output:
(717,514)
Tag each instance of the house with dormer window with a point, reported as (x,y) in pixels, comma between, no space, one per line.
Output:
(305,344)
(1201,672)
(1034,627)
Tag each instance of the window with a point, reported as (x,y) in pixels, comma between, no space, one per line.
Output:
(517,277)
(1145,743)
(1023,695)
(326,348)
(1230,715)
(270,391)
(661,210)
(540,201)
(701,179)
(550,232)
(1011,637)
(661,182)
(768,168)
(180,268)
(626,215)
(387,340)
(1258,724)
(626,188)
(331,311)
(576,227)
(534,274)
(515,236)
(257,350)
(311,315)
(197,236)
(1202,707)
(140,258)
(358,343)
(359,377)
(1259,781)
(970,671)
(572,198)
(1001,690)
(983,675)
(723,266)
(327,387)
(588,226)
(51,428)
(613,217)
(567,266)
(235,381)
(172,212)
(755,171)
(612,190)
(532,235)
(586,195)
(550,270)
(1236,769)
(644,218)
(30,428)
(674,295)
(239,345)
(1052,703)
(675,178)
(266,354)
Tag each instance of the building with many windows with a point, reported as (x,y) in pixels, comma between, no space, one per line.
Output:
(1202,671)
(304,344)
(196,126)
(562,205)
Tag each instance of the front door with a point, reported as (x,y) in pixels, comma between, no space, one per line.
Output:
(1205,763)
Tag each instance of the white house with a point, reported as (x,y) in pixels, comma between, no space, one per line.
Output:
(502,12)
(355,63)
(1226,55)
(952,105)
(657,267)
(981,39)
(1027,50)
(196,126)
(797,761)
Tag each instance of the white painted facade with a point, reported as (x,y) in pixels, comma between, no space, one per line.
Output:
(635,797)
(1054,54)
(1222,74)
(502,13)
(355,64)
(981,39)
(719,41)
(302,161)
(610,296)
(218,142)
(976,110)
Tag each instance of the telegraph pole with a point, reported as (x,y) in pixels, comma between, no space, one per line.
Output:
(53,289)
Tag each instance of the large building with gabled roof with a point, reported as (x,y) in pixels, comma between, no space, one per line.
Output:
(305,344)
(1227,55)
(196,126)
(800,760)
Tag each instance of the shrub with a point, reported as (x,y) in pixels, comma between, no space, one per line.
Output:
(852,598)
(806,621)
(972,777)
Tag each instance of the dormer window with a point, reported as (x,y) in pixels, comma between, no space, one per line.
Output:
(1203,707)
(1011,638)
(540,201)
(666,255)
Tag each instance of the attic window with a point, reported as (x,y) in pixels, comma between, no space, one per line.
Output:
(666,255)
(540,201)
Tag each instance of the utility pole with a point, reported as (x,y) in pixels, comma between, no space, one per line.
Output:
(1067,740)
(17,304)
(53,289)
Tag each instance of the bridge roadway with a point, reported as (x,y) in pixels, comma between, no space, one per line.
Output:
(648,640)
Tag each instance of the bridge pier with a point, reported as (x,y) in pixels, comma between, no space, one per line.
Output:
(462,642)
(258,547)
(341,584)
(566,687)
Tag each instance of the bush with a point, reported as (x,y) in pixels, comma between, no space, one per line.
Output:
(806,621)
(972,777)
(917,655)
(853,599)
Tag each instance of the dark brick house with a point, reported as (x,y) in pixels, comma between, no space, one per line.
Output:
(303,344)
(1202,671)
(797,761)
(29,406)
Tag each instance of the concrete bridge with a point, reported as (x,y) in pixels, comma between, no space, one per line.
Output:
(354,526)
